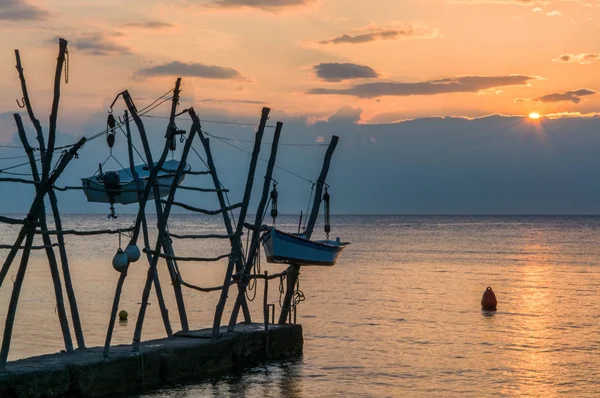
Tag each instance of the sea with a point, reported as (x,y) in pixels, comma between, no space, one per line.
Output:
(399,315)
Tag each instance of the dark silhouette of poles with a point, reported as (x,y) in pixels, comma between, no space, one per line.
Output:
(294,269)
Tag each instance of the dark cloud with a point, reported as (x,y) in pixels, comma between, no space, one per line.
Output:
(464,84)
(99,44)
(380,34)
(573,96)
(19,10)
(584,58)
(267,5)
(336,72)
(149,25)
(519,100)
(177,68)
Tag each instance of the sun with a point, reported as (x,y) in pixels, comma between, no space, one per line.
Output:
(534,115)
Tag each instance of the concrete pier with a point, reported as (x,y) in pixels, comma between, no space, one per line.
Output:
(185,357)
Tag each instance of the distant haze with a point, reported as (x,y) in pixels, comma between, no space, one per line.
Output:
(491,165)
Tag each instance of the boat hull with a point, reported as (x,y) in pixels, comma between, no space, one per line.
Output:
(281,247)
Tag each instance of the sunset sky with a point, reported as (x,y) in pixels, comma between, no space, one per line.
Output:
(394,59)
(319,63)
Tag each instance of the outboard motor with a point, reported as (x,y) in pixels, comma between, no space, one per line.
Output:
(111,182)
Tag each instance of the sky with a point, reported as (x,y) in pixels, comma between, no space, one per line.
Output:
(431,98)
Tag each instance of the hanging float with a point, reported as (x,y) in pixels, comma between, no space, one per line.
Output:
(287,248)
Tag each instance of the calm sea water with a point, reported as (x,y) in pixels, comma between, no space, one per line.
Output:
(399,314)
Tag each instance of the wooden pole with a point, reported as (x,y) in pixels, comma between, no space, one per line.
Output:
(29,232)
(162,223)
(266,313)
(164,312)
(62,49)
(236,254)
(294,269)
(254,245)
(113,312)
(166,240)
(60,304)
(52,197)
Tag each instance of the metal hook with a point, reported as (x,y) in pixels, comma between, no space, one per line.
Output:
(22,104)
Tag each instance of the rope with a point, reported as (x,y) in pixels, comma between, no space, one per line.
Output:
(263,143)
(214,121)
(264,160)
(134,148)
(312,190)
(14,147)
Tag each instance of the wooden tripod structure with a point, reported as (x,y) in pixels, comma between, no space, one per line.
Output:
(43,180)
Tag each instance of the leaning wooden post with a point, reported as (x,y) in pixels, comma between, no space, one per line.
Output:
(254,245)
(113,312)
(236,254)
(29,226)
(294,269)
(162,222)
(62,50)
(141,219)
(53,204)
(166,241)
(60,304)
(266,313)
(121,281)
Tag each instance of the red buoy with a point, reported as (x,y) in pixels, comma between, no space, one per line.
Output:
(488,301)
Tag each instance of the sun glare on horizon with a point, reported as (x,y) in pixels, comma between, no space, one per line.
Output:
(534,115)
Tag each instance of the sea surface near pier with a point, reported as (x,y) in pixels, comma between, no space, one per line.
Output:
(399,315)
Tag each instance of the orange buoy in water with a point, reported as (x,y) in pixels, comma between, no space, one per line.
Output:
(488,301)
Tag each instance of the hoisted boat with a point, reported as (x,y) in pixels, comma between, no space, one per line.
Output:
(287,248)
(120,187)
(282,247)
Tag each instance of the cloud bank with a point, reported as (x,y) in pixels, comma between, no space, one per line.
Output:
(464,84)
(19,10)
(177,68)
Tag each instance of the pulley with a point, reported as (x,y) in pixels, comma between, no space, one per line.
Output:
(110,130)
(326,199)
(274,196)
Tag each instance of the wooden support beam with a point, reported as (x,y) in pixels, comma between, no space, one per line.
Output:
(236,258)
(19,180)
(85,233)
(294,269)
(260,211)
(162,226)
(141,221)
(113,313)
(32,247)
(164,238)
(58,291)
(13,221)
(183,187)
(46,160)
(28,231)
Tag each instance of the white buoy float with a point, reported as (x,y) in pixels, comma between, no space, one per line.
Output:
(120,261)
(132,252)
